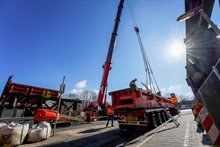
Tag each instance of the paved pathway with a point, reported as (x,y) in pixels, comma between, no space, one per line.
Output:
(186,135)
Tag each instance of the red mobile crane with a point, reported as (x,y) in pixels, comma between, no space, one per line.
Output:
(92,107)
(107,65)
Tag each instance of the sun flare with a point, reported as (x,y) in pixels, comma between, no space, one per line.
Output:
(176,49)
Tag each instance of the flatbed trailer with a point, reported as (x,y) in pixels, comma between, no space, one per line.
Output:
(140,108)
(20,101)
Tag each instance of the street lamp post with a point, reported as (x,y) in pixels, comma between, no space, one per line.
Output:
(199,10)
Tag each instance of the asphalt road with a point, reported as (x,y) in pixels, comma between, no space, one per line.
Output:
(101,136)
(96,134)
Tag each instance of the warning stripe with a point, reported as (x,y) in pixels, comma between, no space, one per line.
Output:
(197,109)
(207,123)
(202,114)
(213,133)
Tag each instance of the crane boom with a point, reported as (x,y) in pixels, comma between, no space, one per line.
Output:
(107,64)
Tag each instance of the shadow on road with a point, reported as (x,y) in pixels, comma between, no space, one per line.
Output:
(205,140)
(200,129)
(92,130)
(111,138)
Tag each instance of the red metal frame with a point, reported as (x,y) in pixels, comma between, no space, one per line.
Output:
(32,90)
(137,98)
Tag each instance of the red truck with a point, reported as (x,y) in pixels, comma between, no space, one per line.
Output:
(141,108)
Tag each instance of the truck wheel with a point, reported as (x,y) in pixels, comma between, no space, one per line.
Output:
(159,119)
(164,116)
(167,117)
(153,121)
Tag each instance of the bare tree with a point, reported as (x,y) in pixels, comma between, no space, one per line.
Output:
(70,96)
(89,96)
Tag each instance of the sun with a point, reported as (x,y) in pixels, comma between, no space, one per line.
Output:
(176,49)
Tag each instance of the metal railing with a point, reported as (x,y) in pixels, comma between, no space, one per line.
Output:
(209,93)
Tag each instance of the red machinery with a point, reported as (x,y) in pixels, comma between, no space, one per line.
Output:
(50,116)
(107,65)
(101,104)
(34,101)
(25,95)
(138,107)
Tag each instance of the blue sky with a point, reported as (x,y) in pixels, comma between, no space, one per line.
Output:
(43,40)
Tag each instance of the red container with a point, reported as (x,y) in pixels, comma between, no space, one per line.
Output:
(45,115)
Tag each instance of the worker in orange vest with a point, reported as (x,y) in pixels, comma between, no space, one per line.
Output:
(110,113)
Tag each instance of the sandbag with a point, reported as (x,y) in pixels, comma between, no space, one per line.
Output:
(1,140)
(13,134)
(39,132)
(2,125)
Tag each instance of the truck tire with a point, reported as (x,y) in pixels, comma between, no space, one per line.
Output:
(167,117)
(164,119)
(159,119)
(153,121)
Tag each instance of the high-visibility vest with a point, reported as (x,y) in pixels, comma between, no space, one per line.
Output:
(174,100)
(110,111)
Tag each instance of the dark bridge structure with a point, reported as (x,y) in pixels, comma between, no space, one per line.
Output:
(203,55)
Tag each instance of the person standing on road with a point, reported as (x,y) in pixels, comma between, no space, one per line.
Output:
(110,113)
(88,118)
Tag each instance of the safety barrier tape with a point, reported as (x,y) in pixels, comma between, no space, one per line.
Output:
(203,116)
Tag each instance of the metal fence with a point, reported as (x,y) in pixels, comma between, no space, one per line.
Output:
(209,94)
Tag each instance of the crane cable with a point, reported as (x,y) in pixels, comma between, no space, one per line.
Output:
(149,72)
(147,66)
(140,42)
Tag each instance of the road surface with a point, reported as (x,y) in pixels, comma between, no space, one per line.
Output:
(96,134)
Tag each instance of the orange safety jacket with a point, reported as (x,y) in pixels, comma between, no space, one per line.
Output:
(110,111)
(174,100)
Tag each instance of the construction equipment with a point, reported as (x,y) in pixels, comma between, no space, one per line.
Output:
(19,101)
(152,81)
(101,103)
(51,115)
(107,65)
(139,107)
